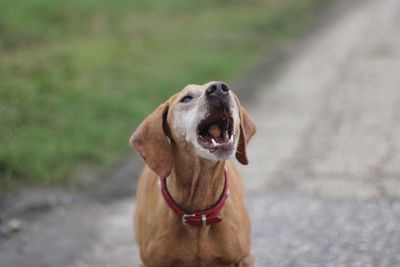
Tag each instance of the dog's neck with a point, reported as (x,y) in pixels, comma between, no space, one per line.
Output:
(195,183)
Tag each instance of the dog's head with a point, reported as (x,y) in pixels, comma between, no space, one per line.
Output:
(206,121)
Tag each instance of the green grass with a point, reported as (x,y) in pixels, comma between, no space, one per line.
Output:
(76,77)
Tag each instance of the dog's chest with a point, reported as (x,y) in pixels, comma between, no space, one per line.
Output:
(195,249)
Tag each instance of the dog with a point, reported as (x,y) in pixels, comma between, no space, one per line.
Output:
(190,197)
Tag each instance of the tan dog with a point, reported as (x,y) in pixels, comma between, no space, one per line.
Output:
(187,141)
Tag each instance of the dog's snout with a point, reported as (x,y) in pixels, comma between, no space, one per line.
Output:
(217,90)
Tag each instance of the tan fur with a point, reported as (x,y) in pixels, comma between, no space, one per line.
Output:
(195,183)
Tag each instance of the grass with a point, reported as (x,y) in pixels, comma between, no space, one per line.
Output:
(76,77)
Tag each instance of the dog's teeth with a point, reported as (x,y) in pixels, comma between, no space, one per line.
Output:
(231,139)
(214,142)
(226,135)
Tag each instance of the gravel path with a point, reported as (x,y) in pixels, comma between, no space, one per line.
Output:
(324,180)
(330,124)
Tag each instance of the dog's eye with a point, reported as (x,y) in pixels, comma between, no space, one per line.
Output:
(186,99)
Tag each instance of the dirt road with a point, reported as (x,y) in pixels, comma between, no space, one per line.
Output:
(324,180)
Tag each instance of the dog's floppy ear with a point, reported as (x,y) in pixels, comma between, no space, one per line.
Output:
(247,130)
(151,142)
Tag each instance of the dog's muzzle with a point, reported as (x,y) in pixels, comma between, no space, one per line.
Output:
(215,132)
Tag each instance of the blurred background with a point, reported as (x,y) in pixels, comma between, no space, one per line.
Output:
(320,78)
(77,76)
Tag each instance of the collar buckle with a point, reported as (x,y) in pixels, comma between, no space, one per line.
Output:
(186,216)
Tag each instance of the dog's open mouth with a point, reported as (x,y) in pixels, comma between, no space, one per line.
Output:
(216,132)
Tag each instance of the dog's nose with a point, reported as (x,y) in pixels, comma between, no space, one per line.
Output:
(217,90)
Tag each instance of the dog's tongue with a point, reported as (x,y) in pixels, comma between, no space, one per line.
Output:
(214,130)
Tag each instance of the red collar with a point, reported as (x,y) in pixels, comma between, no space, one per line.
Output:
(201,218)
